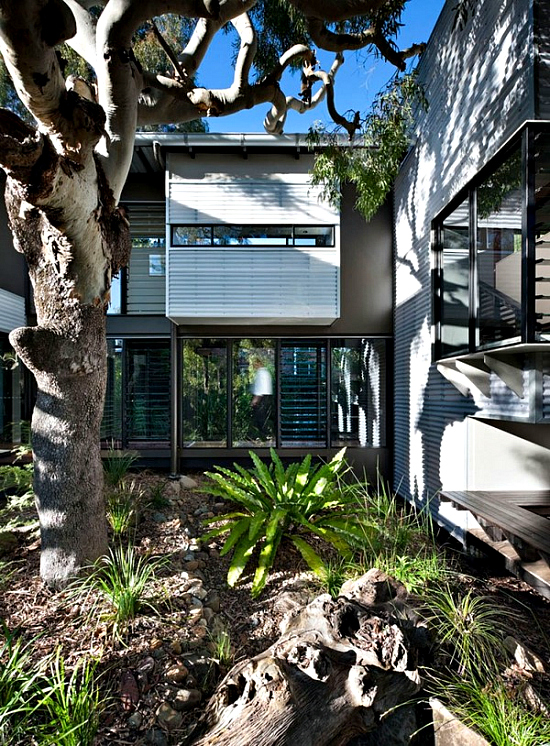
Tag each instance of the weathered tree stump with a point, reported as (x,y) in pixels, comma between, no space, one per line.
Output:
(339,670)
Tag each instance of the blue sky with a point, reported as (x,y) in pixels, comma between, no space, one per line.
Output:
(357,82)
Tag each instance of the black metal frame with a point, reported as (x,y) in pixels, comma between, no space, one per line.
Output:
(525,138)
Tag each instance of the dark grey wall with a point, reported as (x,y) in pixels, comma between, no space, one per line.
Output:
(13,265)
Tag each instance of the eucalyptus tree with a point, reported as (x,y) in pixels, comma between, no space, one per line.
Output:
(65,173)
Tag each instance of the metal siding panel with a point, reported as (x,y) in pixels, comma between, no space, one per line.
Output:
(248,201)
(478,85)
(12,311)
(211,284)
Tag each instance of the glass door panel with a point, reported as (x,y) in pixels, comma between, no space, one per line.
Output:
(204,392)
(254,411)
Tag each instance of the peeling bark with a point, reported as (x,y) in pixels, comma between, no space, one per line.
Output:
(339,670)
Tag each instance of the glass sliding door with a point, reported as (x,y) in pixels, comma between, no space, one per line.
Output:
(303,393)
(253,393)
(205,393)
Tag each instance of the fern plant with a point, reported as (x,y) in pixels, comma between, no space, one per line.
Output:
(276,502)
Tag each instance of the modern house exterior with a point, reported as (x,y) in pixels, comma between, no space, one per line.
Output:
(254,315)
(240,271)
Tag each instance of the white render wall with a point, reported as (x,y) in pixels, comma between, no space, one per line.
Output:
(480,89)
(249,284)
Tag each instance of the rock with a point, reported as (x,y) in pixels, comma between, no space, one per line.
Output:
(186,699)
(212,601)
(168,718)
(159,518)
(199,664)
(525,658)
(135,720)
(187,483)
(207,614)
(176,674)
(156,737)
(192,565)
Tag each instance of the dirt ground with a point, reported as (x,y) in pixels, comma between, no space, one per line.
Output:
(158,677)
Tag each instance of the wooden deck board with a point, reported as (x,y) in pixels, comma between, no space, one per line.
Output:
(508,511)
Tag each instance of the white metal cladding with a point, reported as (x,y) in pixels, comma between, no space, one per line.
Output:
(256,284)
(12,311)
(258,190)
(253,285)
(146,290)
(479,85)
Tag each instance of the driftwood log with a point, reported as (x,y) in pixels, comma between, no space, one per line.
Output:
(339,670)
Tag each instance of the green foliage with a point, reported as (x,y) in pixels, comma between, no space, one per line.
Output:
(72,704)
(221,648)
(16,479)
(277,502)
(469,630)
(156,498)
(492,710)
(117,464)
(123,505)
(371,163)
(18,687)
(121,580)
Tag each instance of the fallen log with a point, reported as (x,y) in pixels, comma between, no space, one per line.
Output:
(340,669)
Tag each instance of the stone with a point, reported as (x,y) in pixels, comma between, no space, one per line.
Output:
(156,737)
(186,699)
(449,731)
(168,718)
(187,482)
(212,601)
(525,658)
(159,518)
(192,565)
(176,674)
(135,720)
(207,614)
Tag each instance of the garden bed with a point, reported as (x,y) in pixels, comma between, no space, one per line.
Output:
(159,673)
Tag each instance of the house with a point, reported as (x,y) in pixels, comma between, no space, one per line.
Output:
(252,314)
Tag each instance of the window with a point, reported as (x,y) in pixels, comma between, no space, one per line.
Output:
(252,235)
(478,252)
(289,393)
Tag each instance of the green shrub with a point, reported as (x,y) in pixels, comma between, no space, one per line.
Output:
(117,464)
(123,504)
(19,688)
(121,580)
(276,502)
(72,704)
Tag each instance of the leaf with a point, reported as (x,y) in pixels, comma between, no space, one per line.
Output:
(273,535)
(237,531)
(265,476)
(314,561)
(241,555)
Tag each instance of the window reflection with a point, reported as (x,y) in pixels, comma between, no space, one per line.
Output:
(358,391)
(204,393)
(455,281)
(254,389)
(499,207)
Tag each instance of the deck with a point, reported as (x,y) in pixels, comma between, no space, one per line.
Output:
(516,524)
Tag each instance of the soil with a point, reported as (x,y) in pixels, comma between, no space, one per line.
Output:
(170,650)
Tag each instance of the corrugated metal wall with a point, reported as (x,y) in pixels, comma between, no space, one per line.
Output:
(12,311)
(479,85)
(146,273)
(250,284)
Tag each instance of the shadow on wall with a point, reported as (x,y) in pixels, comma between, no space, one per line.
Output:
(477,82)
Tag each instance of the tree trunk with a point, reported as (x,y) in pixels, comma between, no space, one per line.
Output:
(65,221)
(68,473)
(340,669)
